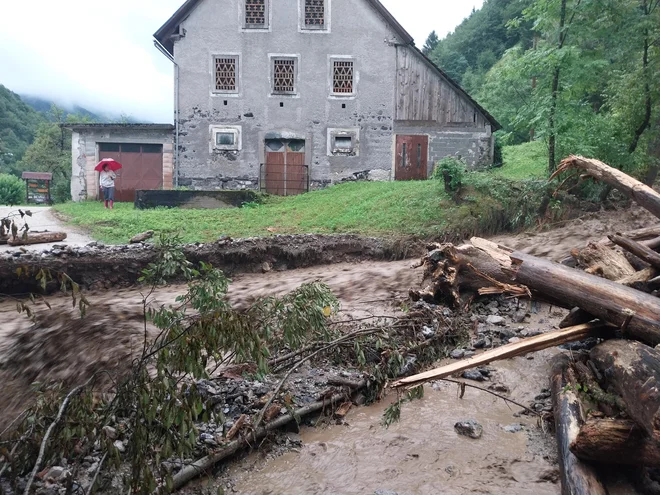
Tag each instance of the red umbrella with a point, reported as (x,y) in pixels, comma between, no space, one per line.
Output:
(113,165)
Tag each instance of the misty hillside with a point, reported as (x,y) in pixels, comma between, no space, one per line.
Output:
(18,127)
(44,106)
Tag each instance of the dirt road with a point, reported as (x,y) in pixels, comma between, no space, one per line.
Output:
(43,219)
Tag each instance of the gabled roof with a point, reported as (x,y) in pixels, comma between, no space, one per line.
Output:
(170,27)
(164,37)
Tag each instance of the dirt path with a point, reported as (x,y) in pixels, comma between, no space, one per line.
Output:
(43,219)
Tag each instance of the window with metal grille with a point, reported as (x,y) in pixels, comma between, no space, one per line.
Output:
(284,75)
(315,14)
(226,74)
(255,13)
(342,77)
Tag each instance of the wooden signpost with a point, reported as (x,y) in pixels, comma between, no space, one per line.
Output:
(37,187)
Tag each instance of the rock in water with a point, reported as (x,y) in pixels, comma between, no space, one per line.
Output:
(469,428)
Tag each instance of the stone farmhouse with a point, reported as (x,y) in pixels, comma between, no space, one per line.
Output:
(291,95)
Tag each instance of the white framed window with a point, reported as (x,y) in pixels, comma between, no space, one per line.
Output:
(226,74)
(344,142)
(314,15)
(342,76)
(284,74)
(226,138)
(256,14)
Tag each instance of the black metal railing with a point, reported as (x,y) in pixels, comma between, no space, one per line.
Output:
(284,180)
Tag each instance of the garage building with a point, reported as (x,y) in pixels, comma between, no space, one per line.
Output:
(145,150)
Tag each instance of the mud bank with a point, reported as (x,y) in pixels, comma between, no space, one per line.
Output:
(96,266)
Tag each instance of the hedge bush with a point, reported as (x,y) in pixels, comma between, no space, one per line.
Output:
(12,190)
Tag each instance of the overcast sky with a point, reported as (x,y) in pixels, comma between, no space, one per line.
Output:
(100,54)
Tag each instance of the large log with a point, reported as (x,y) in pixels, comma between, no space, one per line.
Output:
(37,238)
(616,441)
(632,370)
(638,191)
(577,477)
(643,252)
(598,259)
(456,271)
(634,311)
(538,343)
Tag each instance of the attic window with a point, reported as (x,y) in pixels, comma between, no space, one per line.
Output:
(315,14)
(226,74)
(256,13)
(284,75)
(342,77)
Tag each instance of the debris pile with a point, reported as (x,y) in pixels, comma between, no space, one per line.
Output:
(606,399)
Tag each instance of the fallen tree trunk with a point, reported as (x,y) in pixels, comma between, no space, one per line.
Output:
(456,270)
(634,189)
(598,259)
(643,252)
(632,371)
(203,465)
(538,343)
(616,441)
(577,477)
(634,311)
(37,238)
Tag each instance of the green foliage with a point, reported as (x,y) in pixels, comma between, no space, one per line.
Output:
(155,408)
(51,152)
(18,124)
(524,161)
(481,39)
(452,171)
(12,190)
(431,42)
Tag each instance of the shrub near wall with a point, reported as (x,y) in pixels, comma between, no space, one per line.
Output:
(12,190)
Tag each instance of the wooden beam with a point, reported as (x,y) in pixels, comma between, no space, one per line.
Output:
(538,343)
(643,252)
(577,477)
(37,238)
(634,189)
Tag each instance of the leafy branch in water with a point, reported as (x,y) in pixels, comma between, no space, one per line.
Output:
(393,413)
(153,409)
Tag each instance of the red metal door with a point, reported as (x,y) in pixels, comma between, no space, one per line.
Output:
(286,173)
(142,168)
(411,158)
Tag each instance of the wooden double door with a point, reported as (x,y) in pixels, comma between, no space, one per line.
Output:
(286,173)
(411,162)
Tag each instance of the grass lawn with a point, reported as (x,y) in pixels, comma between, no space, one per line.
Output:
(367,208)
(524,161)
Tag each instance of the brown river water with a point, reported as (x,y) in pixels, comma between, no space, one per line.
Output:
(422,454)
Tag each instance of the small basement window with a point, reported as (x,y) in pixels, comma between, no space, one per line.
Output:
(226,138)
(343,142)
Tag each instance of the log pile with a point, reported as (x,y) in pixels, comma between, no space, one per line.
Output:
(607,402)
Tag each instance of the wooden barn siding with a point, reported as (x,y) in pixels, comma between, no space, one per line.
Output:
(423,95)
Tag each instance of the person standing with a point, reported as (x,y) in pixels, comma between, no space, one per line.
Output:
(107,181)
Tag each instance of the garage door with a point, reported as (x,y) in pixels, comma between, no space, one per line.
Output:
(143,167)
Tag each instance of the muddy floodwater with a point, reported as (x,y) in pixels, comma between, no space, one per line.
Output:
(422,454)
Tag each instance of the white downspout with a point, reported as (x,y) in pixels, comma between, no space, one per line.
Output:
(164,51)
